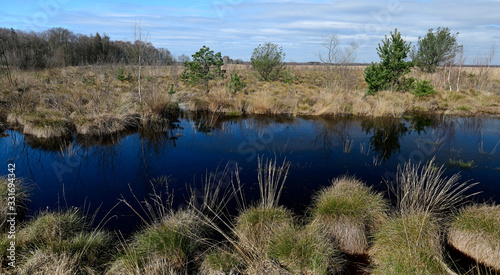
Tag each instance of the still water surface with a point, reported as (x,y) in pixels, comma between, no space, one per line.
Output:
(98,172)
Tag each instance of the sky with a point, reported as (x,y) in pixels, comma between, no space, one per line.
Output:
(236,27)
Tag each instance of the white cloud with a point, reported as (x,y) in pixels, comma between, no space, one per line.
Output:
(236,27)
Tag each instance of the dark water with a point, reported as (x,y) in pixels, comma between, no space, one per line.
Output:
(98,172)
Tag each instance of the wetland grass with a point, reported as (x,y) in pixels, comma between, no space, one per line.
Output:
(475,231)
(348,212)
(170,246)
(22,194)
(306,250)
(61,242)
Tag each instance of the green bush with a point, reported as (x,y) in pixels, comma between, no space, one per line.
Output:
(423,88)
(268,61)
(206,66)
(389,73)
(436,48)
(289,77)
(235,84)
(375,78)
(121,75)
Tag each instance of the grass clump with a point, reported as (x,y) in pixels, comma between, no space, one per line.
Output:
(21,199)
(168,247)
(349,212)
(256,226)
(47,124)
(475,231)
(410,241)
(305,251)
(220,261)
(103,124)
(61,243)
(408,244)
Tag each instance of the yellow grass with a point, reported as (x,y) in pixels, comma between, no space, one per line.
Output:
(93,97)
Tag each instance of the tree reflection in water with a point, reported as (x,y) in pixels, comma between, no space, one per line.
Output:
(385,135)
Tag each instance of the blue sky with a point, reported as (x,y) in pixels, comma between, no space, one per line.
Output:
(236,27)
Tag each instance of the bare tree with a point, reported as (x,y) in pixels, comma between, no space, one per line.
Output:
(337,59)
(140,40)
(481,78)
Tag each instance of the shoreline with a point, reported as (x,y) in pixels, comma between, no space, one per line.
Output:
(92,101)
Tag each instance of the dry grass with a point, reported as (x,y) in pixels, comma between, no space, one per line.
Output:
(22,193)
(475,231)
(48,262)
(91,97)
(220,260)
(423,189)
(349,212)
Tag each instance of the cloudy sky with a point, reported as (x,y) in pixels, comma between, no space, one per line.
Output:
(236,27)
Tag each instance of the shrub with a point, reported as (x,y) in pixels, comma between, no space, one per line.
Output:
(235,84)
(206,66)
(268,60)
(289,77)
(423,88)
(389,73)
(121,74)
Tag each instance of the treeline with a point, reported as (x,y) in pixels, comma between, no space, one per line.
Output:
(59,47)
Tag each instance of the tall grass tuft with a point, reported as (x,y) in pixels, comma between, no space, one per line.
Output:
(475,231)
(250,233)
(410,242)
(22,193)
(348,212)
(424,189)
(271,181)
(305,250)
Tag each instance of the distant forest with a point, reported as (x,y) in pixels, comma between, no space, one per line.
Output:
(59,47)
